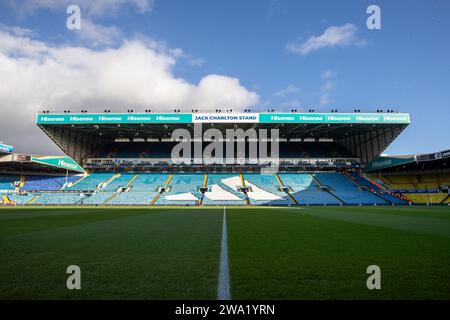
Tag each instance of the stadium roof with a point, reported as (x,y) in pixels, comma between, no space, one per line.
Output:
(366,135)
(436,160)
(54,164)
(5,149)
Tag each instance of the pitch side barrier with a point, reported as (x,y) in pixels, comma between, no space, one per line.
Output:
(227,205)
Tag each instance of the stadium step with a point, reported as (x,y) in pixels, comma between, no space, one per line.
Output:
(131,181)
(105,184)
(79,180)
(110,198)
(161,191)
(205,185)
(351,180)
(381,197)
(6,200)
(287,192)
(445,200)
(375,187)
(33,200)
(247,200)
(330,192)
(22,181)
(155,198)
(338,198)
(317,181)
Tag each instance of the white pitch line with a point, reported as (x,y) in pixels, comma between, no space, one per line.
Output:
(223,287)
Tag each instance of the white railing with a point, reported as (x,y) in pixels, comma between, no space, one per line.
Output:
(223,161)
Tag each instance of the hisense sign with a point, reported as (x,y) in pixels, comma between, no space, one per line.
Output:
(232,117)
(5,148)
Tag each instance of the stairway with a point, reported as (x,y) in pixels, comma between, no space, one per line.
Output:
(293,200)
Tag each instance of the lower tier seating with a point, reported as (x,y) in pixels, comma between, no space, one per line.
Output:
(319,188)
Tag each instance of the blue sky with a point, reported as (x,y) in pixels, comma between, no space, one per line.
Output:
(274,48)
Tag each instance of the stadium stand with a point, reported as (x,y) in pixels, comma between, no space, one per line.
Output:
(97,198)
(120,181)
(182,189)
(60,199)
(416,181)
(421,179)
(133,198)
(91,182)
(142,189)
(305,190)
(47,183)
(222,191)
(7,181)
(319,163)
(346,190)
(149,182)
(162,150)
(372,186)
(265,190)
(427,198)
(20,199)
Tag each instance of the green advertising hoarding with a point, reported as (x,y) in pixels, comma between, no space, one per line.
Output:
(113,118)
(379,163)
(66,163)
(332,118)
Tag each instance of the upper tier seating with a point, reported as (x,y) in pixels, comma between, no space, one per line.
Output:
(120,181)
(48,183)
(346,190)
(91,182)
(137,150)
(313,150)
(149,182)
(7,181)
(305,190)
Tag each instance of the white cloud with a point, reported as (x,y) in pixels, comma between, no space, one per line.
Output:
(331,37)
(96,34)
(198,62)
(289,89)
(137,73)
(17,31)
(328,74)
(328,86)
(290,104)
(89,7)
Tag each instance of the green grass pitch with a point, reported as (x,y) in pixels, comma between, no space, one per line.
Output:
(274,253)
